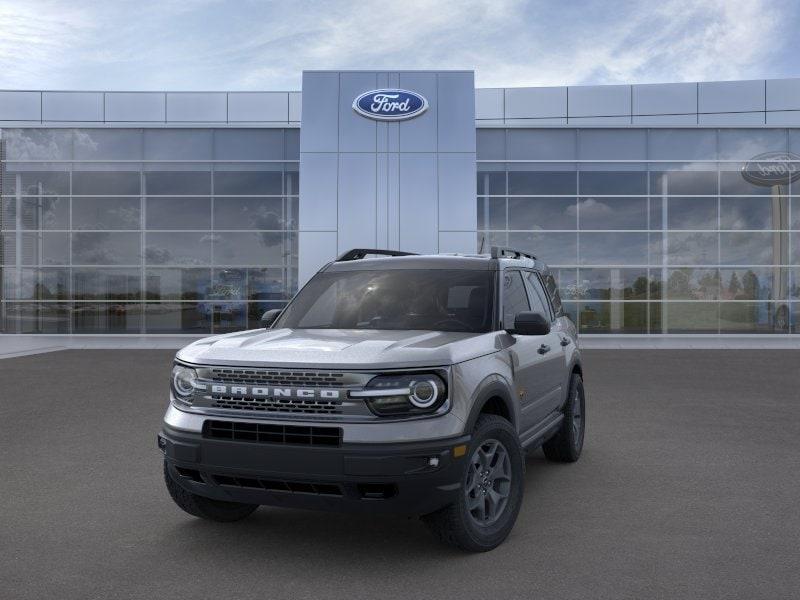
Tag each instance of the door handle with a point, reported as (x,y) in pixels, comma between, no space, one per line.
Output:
(565,341)
(543,349)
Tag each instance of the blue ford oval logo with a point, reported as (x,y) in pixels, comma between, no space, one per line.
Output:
(390,105)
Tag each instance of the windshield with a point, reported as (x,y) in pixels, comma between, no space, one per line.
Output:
(437,300)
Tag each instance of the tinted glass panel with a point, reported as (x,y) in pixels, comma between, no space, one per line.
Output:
(249,213)
(45,212)
(253,248)
(542,213)
(117,183)
(438,300)
(542,183)
(107,284)
(612,213)
(492,213)
(183,317)
(106,213)
(178,213)
(178,248)
(252,183)
(115,248)
(177,284)
(611,183)
(178,183)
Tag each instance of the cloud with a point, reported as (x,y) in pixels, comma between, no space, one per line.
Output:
(214,44)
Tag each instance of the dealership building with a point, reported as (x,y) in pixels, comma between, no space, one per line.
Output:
(662,208)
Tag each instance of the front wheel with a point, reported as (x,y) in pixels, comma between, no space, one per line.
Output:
(567,443)
(491,490)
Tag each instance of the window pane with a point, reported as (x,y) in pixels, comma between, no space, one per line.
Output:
(267,284)
(38,144)
(248,144)
(612,144)
(33,317)
(552,248)
(37,183)
(225,316)
(491,144)
(178,213)
(682,144)
(613,284)
(244,183)
(732,182)
(491,183)
(254,248)
(106,248)
(177,284)
(291,144)
(45,213)
(492,213)
(683,183)
(746,143)
(107,317)
(753,213)
(515,299)
(49,248)
(690,317)
(692,248)
(541,144)
(97,183)
(35,284)
(692,213)
(755,284)
(611,183)
(178,248)
(536,295)
(178,183)
(749,248)
(613,248)
(228,284)
(255,310)
(693,284)
(106,284)
(613,317)
(106,213)
(249,213)
(612,213)
(753,317)
(183,317)
(108,144)
(177,144)
(542,213)
(542,183)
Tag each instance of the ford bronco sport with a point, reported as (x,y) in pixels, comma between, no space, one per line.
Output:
(398,384)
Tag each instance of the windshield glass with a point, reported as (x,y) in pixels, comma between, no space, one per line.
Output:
(436,300)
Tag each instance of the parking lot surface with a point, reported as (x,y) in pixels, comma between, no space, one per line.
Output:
(688,488)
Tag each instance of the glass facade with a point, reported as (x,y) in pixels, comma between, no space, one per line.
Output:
(152,230)
(651,230)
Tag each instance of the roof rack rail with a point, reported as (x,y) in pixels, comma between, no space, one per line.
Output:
(359,253)
(501,251)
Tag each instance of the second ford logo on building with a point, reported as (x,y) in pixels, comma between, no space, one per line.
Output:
(390,105)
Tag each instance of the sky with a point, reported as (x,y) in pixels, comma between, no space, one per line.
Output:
(259,45)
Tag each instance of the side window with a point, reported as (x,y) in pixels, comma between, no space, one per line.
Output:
(515,299)
(538,299)
(555,297)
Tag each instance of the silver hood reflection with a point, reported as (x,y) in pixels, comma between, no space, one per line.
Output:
(340,348)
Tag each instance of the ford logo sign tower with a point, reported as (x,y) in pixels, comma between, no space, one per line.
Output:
(390,105)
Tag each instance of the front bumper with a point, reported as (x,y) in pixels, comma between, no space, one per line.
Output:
(398,478)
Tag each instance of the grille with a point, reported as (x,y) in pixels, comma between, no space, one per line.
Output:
(276,485)
(268,433)
(278,378)
(282,405)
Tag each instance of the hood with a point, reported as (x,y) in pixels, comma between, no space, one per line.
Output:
(339,348)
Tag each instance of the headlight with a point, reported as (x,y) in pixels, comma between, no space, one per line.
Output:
(183,382)
(404,394)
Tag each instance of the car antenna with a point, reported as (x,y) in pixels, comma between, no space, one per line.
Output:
(483,241)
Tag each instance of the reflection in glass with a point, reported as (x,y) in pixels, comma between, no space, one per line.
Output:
(492,213)
(178,248)
(755,283)
(751,248)
(249,213)
(106,213)
(45,212)
(265,248)
(177,183)
(248,183)
(553,248)
(690,317)
(178,213)
(612,213)
(692,213)
(36,284)
(612,284)
(105,317)
(267,284)
(693,284)
(611,183)
(613,317)
(34,317)
(491,183)
(177,317)
(99,183)
(103,248)
(751,213)
(106,284)
(695,248)
(542,183)
(542,213)
(753,317)
(683,183)
(37,183)
(177,284)
(613,248)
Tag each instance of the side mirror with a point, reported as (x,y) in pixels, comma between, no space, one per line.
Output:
(268,318)
(531,323)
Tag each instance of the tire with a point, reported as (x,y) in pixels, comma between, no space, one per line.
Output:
(566,445)
(206,508)
(457,524)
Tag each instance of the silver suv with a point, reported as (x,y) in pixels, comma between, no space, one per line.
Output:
(397,384)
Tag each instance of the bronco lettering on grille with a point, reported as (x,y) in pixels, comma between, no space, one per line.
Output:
(275,392)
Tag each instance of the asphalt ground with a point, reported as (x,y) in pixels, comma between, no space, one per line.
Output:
(688,488)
